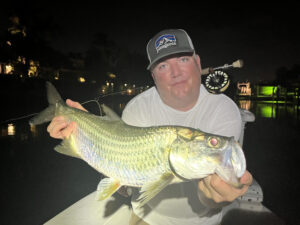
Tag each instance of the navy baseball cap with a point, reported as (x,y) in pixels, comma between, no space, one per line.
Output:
(166,43)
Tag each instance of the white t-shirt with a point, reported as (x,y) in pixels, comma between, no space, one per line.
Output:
(178,204)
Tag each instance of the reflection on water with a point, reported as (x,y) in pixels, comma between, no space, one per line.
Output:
(261,109)
(22,130)
(270,109)
(11,129)
(33,130)
(8,130)
(245,104)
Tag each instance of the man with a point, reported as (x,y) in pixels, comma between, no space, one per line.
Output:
(178,99)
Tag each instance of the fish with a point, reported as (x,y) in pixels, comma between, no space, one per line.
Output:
(149,158)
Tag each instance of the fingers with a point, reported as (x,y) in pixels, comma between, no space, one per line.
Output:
(208,186)
(246,178)
(215,188)
(59,128)
(76,105)
(68,130)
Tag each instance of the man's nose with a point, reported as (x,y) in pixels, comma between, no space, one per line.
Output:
(175,70)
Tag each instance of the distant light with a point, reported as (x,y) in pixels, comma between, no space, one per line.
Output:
(56,78)
(268,90)
(107,83)
(125,85)
(129,91)
(8,43)
(8,69)
(111,75)
(81,79)
(33,129)
(11,129)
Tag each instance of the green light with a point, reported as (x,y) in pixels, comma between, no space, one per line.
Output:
(274,102)
(268,90)
(267,111)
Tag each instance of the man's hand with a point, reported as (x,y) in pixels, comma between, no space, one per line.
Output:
(59,127)
(219,191)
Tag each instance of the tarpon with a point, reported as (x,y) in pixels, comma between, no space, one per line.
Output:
(147,157)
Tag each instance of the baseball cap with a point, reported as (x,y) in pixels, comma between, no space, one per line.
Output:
(166,43)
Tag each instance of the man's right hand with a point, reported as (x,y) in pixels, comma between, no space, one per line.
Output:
(59,127)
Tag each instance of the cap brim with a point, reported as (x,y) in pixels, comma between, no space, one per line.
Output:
(183,50)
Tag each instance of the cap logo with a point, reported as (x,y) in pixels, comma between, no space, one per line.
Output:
(165,41)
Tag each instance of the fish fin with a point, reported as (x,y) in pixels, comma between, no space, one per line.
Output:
(52,94)
(149,190)
(107,187)
(110,114)
(67,147)
(47,114)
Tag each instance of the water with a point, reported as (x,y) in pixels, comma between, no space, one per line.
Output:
(38,183)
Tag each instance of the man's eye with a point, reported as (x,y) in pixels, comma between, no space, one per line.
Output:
(184,59)
(162,66)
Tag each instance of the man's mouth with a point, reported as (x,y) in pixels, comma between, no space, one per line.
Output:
(178,82)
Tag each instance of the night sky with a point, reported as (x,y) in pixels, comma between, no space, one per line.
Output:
(265,37)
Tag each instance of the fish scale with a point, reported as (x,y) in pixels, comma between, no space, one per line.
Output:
(115,141)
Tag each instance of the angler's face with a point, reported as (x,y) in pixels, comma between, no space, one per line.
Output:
(178,78)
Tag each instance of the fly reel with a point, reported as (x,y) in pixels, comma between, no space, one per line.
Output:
(216,82)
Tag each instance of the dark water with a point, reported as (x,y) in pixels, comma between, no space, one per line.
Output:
(37,183)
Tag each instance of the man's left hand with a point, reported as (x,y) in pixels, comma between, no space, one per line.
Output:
(218,190)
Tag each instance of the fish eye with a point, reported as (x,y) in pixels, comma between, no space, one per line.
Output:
(213,142)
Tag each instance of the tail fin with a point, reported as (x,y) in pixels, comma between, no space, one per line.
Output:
(47,114)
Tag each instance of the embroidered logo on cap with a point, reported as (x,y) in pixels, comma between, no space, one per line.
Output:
(165,41)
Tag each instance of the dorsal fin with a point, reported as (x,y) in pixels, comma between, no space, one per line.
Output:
(110,114)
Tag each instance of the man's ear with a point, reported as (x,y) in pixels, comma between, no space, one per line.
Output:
(153,76)
(198,61)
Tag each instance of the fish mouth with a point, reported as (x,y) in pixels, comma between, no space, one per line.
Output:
(233,165)
(238,159)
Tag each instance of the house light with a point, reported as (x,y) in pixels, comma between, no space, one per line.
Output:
(81,79)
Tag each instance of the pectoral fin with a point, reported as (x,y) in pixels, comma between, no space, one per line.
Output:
(106,188)
(151,189)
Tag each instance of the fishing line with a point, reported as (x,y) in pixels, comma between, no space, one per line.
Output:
(18,118)
(94,100)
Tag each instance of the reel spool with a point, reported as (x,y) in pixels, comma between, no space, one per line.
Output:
(216,82)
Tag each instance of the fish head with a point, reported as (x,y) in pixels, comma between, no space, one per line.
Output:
(195,155)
